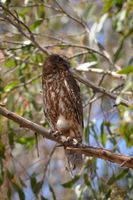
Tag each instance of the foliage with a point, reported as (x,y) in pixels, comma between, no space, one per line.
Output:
(66,28)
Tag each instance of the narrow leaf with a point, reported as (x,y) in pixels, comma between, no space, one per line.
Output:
(70,183)
(20,191)
(52,191)
(126,70)
(36,24)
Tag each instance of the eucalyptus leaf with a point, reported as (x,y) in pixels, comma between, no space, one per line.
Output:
(36,24)
(126,70)
(52,192)
(70,183)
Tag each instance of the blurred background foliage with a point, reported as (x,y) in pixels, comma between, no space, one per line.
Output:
(59,28)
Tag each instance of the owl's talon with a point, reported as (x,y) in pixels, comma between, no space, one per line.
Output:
(56,134)
(70,141)
(63,139)
(75,142)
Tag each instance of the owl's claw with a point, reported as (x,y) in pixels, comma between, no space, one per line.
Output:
(67,141)
(70,141)
(56,134)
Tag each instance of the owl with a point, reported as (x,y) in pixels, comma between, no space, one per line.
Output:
(62,102)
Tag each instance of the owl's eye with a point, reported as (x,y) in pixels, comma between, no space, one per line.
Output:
(59,60)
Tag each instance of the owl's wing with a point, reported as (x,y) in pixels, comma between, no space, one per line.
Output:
(74,96)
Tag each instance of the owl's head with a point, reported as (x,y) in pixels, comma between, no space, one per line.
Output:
(55,63)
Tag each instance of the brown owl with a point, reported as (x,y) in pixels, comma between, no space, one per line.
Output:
(62,102)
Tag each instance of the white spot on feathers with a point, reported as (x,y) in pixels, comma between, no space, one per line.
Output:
(62,124)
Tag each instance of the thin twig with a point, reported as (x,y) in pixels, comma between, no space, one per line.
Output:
(48,160)
(78,54)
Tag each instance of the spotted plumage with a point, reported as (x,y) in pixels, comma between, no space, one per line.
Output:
(62,101)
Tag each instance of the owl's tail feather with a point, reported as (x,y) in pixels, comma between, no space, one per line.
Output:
(74,160)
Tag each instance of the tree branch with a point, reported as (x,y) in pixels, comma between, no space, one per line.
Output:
(105,154)
(102,71)
(99,89)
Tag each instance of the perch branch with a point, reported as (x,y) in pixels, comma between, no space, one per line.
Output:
(105,154)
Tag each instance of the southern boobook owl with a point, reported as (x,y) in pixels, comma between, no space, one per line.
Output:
(62,102)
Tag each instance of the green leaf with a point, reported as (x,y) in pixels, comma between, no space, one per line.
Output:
(33,182)
(111,180)
(9,192)
(107,5)
(28,141)
(107,123)
(43,198)
(10,62)
(126,70)
(2,149)
(122,174)
(126,129)
(10,175)
(38,58)
(11,135)
(93,128)
(36,24)
(41,12)
(36,186)
(88,184)
(118,176)
(20,191)
(89,9)
(8,2)
(86,180)
(23,13)
(103,135)
(70,183)
(86,133)
(23,184)
(1,172)
(10,86)
(52,191)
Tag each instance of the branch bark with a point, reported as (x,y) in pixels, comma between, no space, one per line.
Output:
(105,154)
